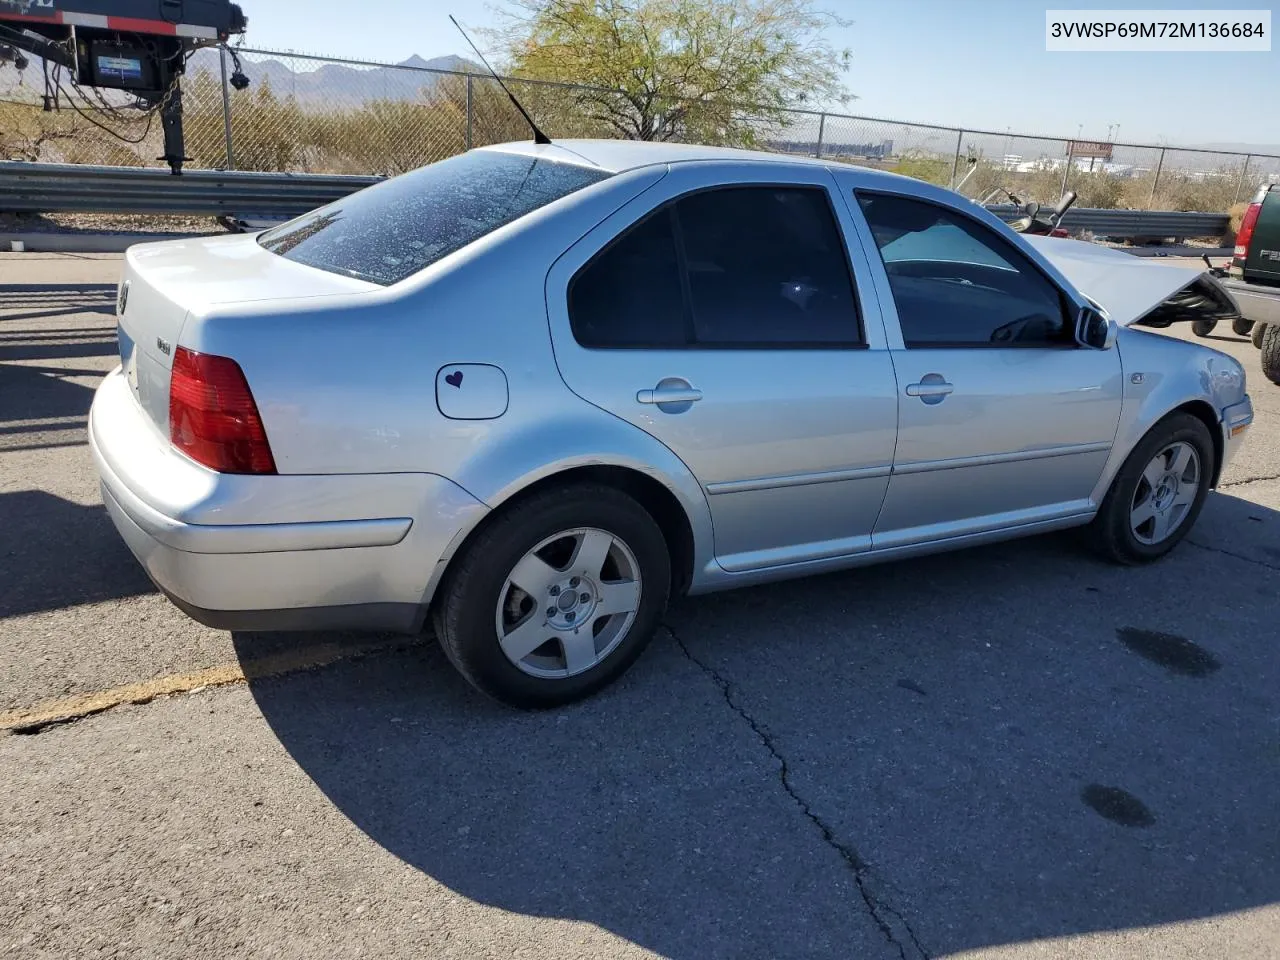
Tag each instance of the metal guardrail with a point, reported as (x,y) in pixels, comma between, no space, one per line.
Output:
(1133,223)
(79,188)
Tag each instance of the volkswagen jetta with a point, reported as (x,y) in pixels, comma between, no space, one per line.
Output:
(532,391)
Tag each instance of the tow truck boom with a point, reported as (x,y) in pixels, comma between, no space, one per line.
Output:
(140,46)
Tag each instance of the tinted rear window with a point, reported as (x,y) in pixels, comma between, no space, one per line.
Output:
(390,231)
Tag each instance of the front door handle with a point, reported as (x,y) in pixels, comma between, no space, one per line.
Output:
(932,388)
(668,395)
(672,395)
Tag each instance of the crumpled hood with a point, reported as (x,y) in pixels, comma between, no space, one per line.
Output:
(1125,286)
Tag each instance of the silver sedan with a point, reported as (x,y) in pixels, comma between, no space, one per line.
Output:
(531,392)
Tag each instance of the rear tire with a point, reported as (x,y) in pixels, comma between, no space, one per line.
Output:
(1257,333)
(1158,493)
(1270,348)
(1202,328)
(597,573)
(1241,327)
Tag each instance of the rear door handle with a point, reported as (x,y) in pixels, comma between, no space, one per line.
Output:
(932,388)
(929,389)
(669,395)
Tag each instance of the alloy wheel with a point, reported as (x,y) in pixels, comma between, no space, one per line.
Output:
(568,603)
(1165,493)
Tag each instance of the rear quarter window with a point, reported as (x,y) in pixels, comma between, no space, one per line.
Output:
(390,231)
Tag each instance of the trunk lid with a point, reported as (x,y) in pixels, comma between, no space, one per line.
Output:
(163,283)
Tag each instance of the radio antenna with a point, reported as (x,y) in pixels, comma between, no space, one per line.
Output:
(538,135)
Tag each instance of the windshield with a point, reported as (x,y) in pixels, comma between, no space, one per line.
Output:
(392,230)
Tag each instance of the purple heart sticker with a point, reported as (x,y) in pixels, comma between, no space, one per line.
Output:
(454,379)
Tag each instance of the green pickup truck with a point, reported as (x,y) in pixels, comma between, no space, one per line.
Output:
(1253,277)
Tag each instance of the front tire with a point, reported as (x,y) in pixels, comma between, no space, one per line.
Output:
(556,597)
(1257,333)
(1241,327)
(1270,347)
(1202,328)
(1158,493)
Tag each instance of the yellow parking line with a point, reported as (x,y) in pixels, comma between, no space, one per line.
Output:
(292,661)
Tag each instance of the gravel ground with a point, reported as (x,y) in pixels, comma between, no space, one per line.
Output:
(1012,752)
(107,222)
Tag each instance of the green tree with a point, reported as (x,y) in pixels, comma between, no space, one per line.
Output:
(202,119)
(267,132)
(922,166)
(386,137)
(719,71)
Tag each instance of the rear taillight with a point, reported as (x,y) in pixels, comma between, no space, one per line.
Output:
(212,416)
(1247,223)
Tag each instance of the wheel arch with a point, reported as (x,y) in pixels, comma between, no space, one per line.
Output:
(1198,407)
(687,532)
(656,498)
(1203,411)
(1137,424)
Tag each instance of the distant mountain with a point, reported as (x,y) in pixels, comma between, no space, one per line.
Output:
(339,84)
(329,84)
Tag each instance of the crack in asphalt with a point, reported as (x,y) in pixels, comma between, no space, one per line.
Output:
(1240,483)
(1232,553)
(881,911)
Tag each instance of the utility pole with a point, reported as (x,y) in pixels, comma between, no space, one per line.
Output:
(470,109)
(1155,182)
(226,109)
(955,161)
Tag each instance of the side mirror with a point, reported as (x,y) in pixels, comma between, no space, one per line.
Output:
(1096,331)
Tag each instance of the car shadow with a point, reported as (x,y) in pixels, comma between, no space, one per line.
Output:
(56,553)
(39,392)
(1011,743)
(38,359)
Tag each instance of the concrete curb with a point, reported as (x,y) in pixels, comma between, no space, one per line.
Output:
(87,242)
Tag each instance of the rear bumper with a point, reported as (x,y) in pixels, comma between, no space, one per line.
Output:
(219,589)
(274,552)
(1258,303)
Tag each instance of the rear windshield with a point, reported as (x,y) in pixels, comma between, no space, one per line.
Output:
(394,229)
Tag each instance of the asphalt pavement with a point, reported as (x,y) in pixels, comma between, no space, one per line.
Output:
(1016,751)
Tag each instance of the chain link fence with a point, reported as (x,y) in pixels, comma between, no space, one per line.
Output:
(321,115)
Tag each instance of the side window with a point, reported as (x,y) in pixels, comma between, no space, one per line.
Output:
(737,267)
(957,283)
(767,267)
(631,294)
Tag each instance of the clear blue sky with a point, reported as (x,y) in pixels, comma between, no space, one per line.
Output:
(980,63)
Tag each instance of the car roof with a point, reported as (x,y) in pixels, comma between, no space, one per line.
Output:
(617,156)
